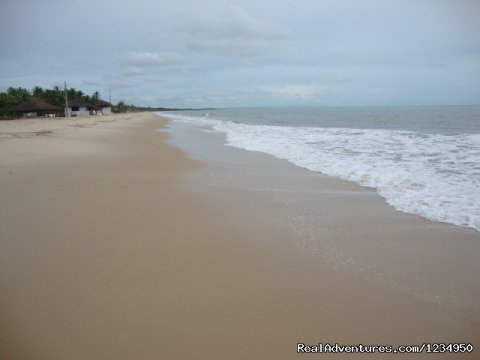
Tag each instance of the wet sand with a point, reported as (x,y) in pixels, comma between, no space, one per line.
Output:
(115,245)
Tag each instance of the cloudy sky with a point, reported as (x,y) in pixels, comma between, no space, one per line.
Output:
(206,53)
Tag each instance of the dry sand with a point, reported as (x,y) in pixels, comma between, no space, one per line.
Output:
(106,254)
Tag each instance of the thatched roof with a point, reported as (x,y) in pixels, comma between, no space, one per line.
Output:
(104,104)
(79,102)
(34,104)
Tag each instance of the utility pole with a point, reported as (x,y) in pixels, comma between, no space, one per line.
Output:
(67,114)
(110,97)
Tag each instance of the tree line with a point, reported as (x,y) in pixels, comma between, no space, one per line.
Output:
(55,96)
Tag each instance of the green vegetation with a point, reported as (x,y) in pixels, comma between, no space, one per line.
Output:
(56,96)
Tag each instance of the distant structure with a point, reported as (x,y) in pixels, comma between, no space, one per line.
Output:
(35,107)
(79,107)
(105,108)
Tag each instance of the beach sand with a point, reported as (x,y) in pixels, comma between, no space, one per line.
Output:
(115,245)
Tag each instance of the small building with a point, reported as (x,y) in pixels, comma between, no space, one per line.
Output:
(105,108)
(35,107)
(79,107)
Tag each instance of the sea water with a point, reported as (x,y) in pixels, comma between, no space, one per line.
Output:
(422,160)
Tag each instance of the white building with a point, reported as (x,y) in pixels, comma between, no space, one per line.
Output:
(105,108)
(79,107)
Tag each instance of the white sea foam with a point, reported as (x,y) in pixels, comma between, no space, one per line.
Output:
(432,175)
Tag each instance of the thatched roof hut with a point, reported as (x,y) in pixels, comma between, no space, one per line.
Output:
(79,107)
(34,105)
(104,104)
(105,108)
(80,103)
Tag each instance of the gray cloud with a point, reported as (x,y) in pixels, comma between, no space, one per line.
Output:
(92,82)
(152,80)
(209,52)
(132,71)
(237,34)
(145,58)
(120,85)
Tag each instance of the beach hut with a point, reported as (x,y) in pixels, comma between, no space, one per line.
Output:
(34,107)
(105,108)
(79,107)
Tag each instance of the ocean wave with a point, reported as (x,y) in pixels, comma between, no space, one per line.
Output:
(432,175)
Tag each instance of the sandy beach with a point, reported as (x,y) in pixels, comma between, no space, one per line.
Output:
(116,244)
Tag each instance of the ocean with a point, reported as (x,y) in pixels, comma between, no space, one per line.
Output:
(423,160)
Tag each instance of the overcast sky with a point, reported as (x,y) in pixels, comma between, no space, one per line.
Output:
(206,53)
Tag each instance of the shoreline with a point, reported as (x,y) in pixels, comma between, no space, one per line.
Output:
(412,165)
(346,227)
(113,246)
(331,209)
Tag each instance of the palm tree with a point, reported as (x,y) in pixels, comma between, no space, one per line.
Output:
(38,92)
